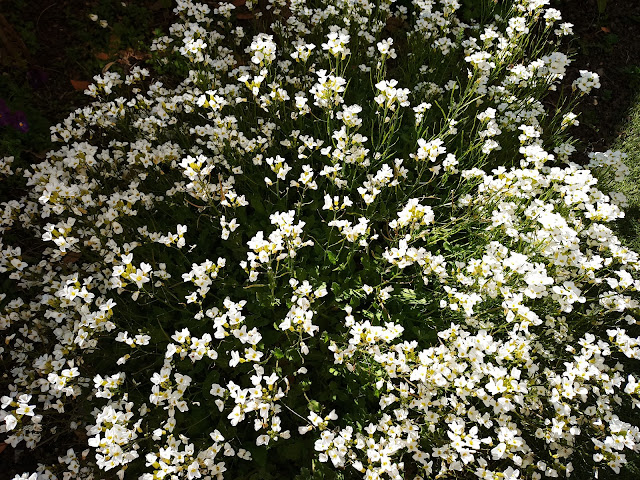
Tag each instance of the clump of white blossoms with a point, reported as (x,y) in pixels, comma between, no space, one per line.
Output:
(347,240)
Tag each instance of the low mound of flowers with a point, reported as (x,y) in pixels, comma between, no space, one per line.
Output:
(339,239)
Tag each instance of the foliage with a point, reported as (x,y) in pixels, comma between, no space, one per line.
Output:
(629,144)
(348,242)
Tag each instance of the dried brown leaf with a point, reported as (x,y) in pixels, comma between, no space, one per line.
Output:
(80,85)
(107,67)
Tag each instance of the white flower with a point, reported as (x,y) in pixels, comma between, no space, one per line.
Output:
(586,82)
(384,47)
(337,42)
(10,422)
(429,150)
(263,49)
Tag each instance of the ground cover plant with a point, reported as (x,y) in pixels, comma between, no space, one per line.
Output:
(629,144)
(349,241)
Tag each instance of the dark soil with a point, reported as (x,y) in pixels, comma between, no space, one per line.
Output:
(607,43)
(49,49)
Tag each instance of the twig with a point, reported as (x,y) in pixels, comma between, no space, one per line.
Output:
(42,12)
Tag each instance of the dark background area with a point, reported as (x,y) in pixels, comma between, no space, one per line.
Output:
(606,41)
(50,50)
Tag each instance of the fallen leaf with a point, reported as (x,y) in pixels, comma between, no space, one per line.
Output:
(71,257)
(102,56)
(80,85)
(107,67)
(131,53)
(3,446)
(605,29)
(238,3)
(244,16)
(127,55)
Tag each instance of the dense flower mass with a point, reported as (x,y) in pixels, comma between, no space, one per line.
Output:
(350,241)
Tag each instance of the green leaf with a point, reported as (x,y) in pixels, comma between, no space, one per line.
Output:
(259,456)
(199,421)
(602,6)
(210,379)
(258,204)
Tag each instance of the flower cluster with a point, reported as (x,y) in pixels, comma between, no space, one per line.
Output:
(280,263)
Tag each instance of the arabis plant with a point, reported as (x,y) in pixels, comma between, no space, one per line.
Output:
(347,240)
